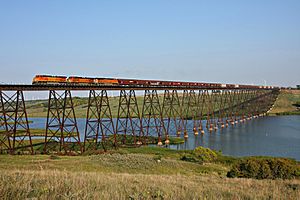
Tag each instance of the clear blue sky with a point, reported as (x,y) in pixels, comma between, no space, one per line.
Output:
(213,41)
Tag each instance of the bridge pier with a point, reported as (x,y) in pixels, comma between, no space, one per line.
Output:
(167,111)
(216,107)
(184,112)
(152,117)
(61,125)
(201,104)
(5,135)
(193,110)
(171,112)
(99,127)
(15,137)
(222,113)
(209,111)
(128,119)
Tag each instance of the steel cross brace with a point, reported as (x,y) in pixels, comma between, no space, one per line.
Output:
(99,121)
(61,125)
(15,137)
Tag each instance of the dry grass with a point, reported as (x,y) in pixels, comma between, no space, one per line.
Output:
(51,184)
(130,176)
(285,101)
(134,163)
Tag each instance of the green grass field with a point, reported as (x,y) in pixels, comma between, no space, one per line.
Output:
(39,108)
(132,173)
(286,103)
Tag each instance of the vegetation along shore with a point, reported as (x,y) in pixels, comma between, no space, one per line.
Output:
(148,173)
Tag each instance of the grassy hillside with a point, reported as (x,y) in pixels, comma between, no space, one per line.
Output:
(286,103)
(139,173)
(38,108)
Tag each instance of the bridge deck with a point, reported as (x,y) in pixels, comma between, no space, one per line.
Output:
(24,87)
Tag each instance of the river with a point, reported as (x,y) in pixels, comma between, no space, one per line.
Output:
(269,136)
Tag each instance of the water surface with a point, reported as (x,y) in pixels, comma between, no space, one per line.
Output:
(269,136)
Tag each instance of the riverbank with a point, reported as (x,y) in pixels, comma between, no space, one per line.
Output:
(287,103)
(133,173)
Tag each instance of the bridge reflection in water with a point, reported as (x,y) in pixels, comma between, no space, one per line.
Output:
(165,112)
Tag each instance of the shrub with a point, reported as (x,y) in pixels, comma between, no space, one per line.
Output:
(190,158)
(205,154)
(200,155)
(265,168)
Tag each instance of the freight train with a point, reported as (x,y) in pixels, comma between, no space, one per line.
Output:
(73,80)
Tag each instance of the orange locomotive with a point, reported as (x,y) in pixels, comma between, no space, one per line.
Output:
(80,80)
(46,79)
(106,81)
(97,81)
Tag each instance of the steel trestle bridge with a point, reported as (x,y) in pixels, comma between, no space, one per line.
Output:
(164,112)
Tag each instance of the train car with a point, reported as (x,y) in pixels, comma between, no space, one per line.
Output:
(230,86)
(154,82)
(80,80)
(166,83)
(139,82)
(219,85)
(106,81)
(246,86)
(184,83)
(126,82)
(142,82)
(201,84)
(192,84)
(253,87)
(176,83)
(215,85)
(48,79)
